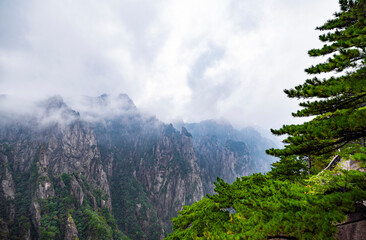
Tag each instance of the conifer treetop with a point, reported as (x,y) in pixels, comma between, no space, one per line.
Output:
(337,103)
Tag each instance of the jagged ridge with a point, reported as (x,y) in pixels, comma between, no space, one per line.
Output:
(104,170)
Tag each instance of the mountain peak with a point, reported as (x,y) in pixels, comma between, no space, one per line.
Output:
(55,109)
(124,97)
(53,103)
(122,101)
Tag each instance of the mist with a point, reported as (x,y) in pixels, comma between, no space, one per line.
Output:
(176,60)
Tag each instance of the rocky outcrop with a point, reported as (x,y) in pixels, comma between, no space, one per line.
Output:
(7,193)
(227,153)
(7,183)
(109,167)
(227,161)
(37,152)
(354,228)
(35,212)
(158,163)
(71,232)
(173,180)
(77,191)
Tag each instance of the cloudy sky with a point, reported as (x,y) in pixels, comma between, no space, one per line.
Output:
(188,60)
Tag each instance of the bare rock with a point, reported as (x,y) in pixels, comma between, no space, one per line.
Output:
(352,230)
(77,191)
(71,232)
(36,215)
(8,186)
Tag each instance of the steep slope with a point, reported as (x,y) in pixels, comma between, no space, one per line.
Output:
(108,171)
(225,152)
(66,175)
(53,175)
(154,173)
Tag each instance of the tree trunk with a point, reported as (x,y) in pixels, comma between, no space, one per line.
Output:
(309,165)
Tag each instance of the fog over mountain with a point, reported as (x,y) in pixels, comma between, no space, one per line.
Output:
(105,169)
(116,114)
(177,60)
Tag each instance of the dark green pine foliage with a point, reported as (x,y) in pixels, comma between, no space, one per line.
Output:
(262,207)
(337,103)
(288,168)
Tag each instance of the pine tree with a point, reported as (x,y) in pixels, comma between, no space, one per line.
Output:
(339,108)
(262,207)
(287,203)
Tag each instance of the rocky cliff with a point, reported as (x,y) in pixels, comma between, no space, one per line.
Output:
(227,153)
(105,171)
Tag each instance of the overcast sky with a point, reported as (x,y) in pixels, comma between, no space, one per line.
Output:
(188,59)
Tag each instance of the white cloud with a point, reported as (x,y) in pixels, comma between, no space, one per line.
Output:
(176,59)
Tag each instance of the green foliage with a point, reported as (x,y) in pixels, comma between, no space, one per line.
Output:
(196,220)
(288,168)
(354,151)
(361,157)
(5,149)
(66,179)
(261,207)
(285,203)
(343,181)
(22,202)
(179,161)
(99,196)
(50,219)
(96,225)
(131,206)
(339,107)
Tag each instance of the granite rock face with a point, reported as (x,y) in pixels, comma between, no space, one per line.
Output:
(71,232)
(106,169)
(38,155)
(227,153)
(58,152)
(354,228)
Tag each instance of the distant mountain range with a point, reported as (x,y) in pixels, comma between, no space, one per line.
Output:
(108,171)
